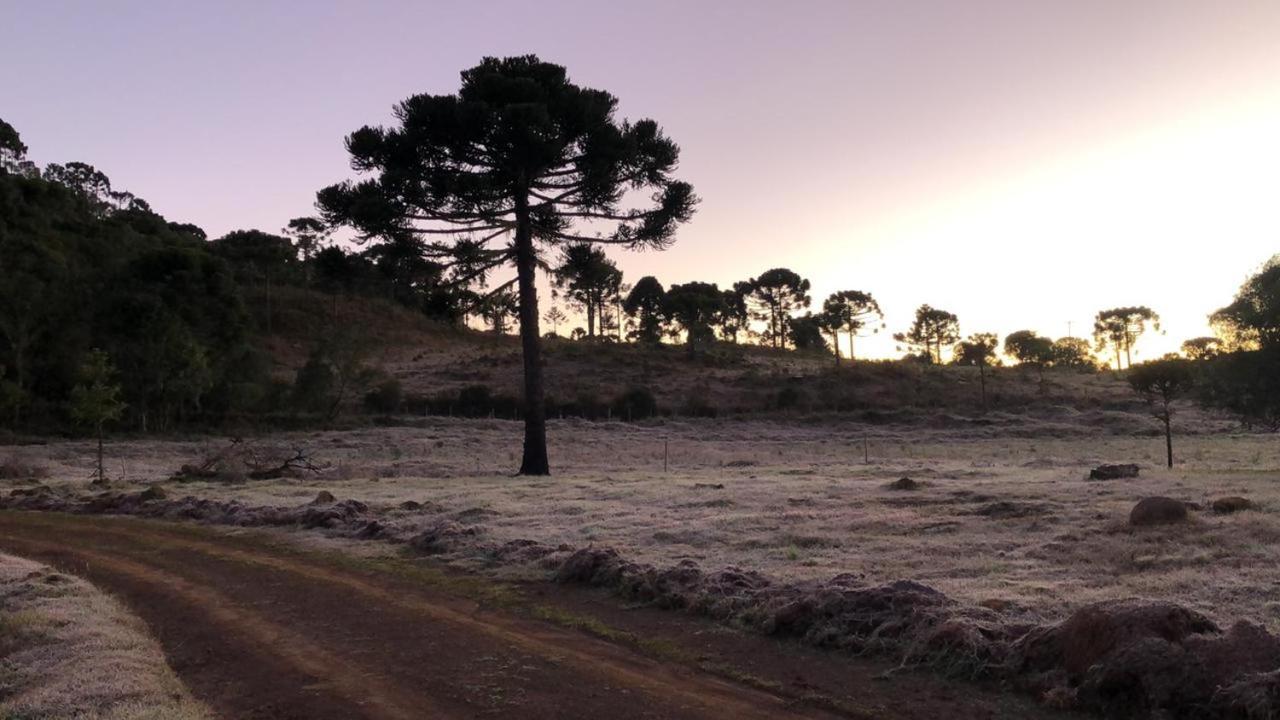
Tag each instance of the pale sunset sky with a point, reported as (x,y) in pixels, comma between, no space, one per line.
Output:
(1021,163)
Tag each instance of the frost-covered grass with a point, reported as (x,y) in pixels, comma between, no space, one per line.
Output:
(68,651)
(1005,514)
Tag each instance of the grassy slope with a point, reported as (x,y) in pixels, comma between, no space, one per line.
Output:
(434,361)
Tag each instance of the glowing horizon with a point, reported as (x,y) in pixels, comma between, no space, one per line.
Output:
(1022,167)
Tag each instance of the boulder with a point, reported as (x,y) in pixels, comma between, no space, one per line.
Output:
(1113,472)
(1157,510)
(904,483)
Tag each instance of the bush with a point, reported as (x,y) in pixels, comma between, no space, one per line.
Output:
(635,404)
(790,397)
(475,401)
(313,385)
(386,397)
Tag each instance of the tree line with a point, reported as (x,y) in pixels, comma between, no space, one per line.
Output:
(458,207)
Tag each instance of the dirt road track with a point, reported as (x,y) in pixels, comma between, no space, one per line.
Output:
(264,632)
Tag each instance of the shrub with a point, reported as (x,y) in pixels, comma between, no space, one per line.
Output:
(386,397)
(790,397)
(635,404)
(313,385)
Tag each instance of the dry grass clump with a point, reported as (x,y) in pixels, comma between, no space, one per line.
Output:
(68,651)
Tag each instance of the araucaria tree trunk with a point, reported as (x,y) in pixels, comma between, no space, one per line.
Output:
(534,460)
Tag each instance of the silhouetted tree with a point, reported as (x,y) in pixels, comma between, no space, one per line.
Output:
(89,183)
(1201,348)
(499,309)
(1246,378)
(590,279)
(772,297)
(13,153)
(1031,350)
(1073,352)
(1252,320)
(733,316)
(1121,327)
(694,307)
(931,330)
(805,332)
(1161,382)
(645,303)
(259,259)
(978,350)
(95,400)
(521,154)
(850,311)
(309,234)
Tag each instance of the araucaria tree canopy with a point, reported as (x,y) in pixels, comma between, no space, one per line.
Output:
(519,159)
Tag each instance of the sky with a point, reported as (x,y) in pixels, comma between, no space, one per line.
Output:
(1020,163)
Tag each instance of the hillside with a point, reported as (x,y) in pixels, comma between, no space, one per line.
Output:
(434,364)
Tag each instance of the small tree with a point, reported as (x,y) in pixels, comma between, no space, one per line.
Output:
(95,400)
(850,311)
(931,330)
(772,298)
(645,303)
(978,350)
(1121,327)
(1031,350)
(1160,382)
(554,315)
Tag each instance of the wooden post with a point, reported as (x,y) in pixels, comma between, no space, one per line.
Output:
(665,455)
(866,453)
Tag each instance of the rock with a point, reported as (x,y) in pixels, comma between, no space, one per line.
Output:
(904,483)
(1157,510)
(1226,505)
(152,493)
(324,497)
(1113,472)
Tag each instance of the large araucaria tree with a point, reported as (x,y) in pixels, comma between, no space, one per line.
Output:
(519,160)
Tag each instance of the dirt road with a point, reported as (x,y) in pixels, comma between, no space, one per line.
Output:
(259,630)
